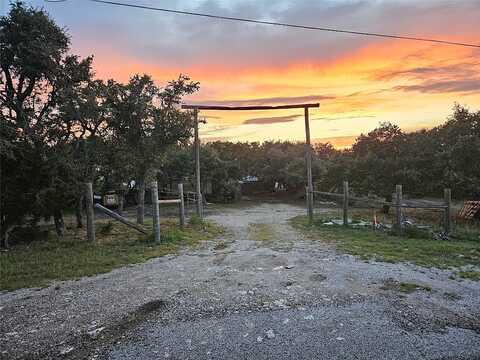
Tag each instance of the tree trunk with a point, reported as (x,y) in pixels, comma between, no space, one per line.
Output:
(121,202)
(79,212)
(3,241)
(3,234)
(59,224)
(141,201)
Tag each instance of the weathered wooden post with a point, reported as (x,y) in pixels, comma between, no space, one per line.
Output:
(155,211)
(308,156)
(345,203)
(398,208)
(447,195)
(181,205)
(90,213)
(197,168)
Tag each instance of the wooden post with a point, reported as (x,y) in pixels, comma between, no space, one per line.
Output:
(306,196)
(90,214)
(197,168)
(398,208)
(182,205)
(308,156)
(447,195)
(345,203)
(155,211)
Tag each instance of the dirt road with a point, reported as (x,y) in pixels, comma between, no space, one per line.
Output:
(262,291)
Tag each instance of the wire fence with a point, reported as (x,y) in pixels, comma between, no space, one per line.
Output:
(398,203)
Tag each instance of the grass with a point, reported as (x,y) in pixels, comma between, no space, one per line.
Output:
(404,287)
(260,232)
(469,274)
(37,263)
(419,248)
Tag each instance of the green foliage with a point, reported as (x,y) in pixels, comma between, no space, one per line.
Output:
(424,162)
(105,228)
(60,127)
(37,263)
(381,246)
(469,274)
(196,220)
(404,287)
(35,71)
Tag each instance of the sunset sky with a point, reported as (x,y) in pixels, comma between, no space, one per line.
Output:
(359,81)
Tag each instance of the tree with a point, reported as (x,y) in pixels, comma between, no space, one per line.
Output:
(82,120)
(35,69)
(146,120)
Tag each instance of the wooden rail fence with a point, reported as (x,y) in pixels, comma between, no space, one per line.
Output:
(155,211)
(398,204)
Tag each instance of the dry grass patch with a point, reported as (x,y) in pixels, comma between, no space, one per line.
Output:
(260,232)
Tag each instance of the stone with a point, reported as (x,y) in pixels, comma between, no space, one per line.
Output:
(270,334)
(66,350)
(94,333)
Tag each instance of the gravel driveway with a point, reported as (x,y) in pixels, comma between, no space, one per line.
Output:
(280,297)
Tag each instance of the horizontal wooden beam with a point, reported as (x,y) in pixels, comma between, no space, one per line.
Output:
(255,107)
(169,201)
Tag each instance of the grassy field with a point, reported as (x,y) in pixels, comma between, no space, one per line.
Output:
(37,262)
(418,248)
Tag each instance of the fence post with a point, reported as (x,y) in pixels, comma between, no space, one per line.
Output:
(398,208)
(447,195)
(155,211)
(182,205)
(308,156)
(345,203)
(90,214)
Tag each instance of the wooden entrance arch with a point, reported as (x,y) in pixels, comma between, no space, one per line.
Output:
(308,147)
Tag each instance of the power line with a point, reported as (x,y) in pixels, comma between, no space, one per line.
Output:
(273,23)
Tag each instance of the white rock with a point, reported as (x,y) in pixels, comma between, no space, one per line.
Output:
(309,317)
(259,339)
(286,321)
(278,268)
(270,334)
(94,333)
(340,338)
(66,350)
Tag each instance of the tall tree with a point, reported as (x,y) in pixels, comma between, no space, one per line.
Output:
(35,68)
(145,120)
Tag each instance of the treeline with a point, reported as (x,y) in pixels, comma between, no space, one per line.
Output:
(425,161)
(60,126)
